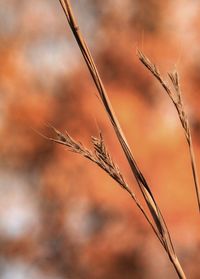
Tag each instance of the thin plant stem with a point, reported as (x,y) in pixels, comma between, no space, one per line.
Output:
(103,159)
(176,98)
(141,181)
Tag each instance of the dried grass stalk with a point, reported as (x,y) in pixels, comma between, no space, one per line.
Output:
(160,225)
(176,98)
(101,157)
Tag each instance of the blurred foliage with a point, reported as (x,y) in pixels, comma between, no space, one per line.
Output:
(60,216)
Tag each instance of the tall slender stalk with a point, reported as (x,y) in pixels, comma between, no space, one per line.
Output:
(178,103)
(159,222)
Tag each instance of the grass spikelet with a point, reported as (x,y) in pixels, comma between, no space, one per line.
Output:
(176,98)
(101,156)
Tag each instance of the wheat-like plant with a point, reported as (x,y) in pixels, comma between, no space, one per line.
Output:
(101,157)
(176,98)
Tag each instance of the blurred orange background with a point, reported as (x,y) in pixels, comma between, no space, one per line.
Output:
(60,215)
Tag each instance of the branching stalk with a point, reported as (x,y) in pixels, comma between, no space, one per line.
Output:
(102,158)
(159,223)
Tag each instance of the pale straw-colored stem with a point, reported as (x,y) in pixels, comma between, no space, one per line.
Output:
(142,183)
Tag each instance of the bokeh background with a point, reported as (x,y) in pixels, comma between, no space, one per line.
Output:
(60,216)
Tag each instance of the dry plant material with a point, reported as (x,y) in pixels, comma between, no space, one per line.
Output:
(176,97)
(101,157)
(158,223)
